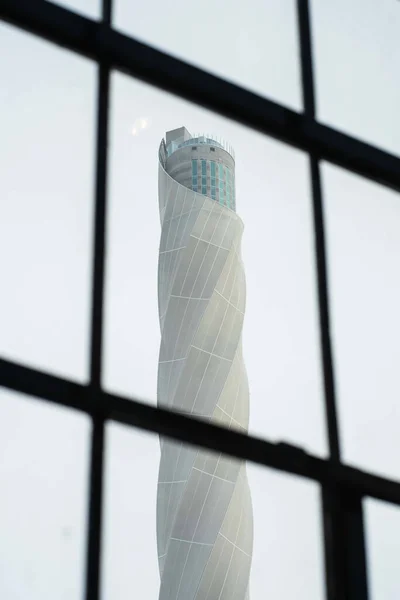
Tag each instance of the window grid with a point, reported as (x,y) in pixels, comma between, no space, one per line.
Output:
(343,488)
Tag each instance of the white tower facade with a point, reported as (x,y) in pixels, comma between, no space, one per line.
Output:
(204,512)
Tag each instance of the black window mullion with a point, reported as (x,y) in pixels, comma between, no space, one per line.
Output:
(342,488)
(345,570)
(136,59)
(345,560)
(323,309)
(94,538)
(308,89)
(307,73)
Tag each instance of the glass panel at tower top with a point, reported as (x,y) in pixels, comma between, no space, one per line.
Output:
(212,160)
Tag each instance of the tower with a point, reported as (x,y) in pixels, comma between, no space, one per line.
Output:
(204,512)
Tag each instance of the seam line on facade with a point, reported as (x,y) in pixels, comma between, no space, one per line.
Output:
(190,542)
(211,353)
(229,302)
(215,476)
(188,297)
(177,481)
(172,250)
(233,544)
(163,362)
(230,416)
(208,242)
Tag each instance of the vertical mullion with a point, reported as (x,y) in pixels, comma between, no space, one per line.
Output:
(345,562)
(94,536)
(307,78)
(323,306)
(344,532)
(322,279)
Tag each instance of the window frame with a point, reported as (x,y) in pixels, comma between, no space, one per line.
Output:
(342,488)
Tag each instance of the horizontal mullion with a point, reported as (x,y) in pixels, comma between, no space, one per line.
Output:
(47,387)
(281,456)
(101,43)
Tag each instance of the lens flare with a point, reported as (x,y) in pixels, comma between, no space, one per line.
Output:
(140,125)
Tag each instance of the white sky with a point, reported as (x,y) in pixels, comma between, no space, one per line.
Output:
(47,122)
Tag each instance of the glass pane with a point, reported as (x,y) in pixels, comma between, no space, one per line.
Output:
(363,223)
(215,533)
(254,44)
(130,494)
(46,185)
(383,549)
(44,453)
(87,8)
(288,555)
(204,314)
(357,59)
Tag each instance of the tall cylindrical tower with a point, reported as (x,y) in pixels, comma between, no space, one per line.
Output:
(204,513)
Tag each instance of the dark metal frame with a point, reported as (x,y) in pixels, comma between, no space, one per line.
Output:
(343,487)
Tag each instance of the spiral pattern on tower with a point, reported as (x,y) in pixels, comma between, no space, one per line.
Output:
(204,511)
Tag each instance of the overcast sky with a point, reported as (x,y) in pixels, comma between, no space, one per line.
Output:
(47,118)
